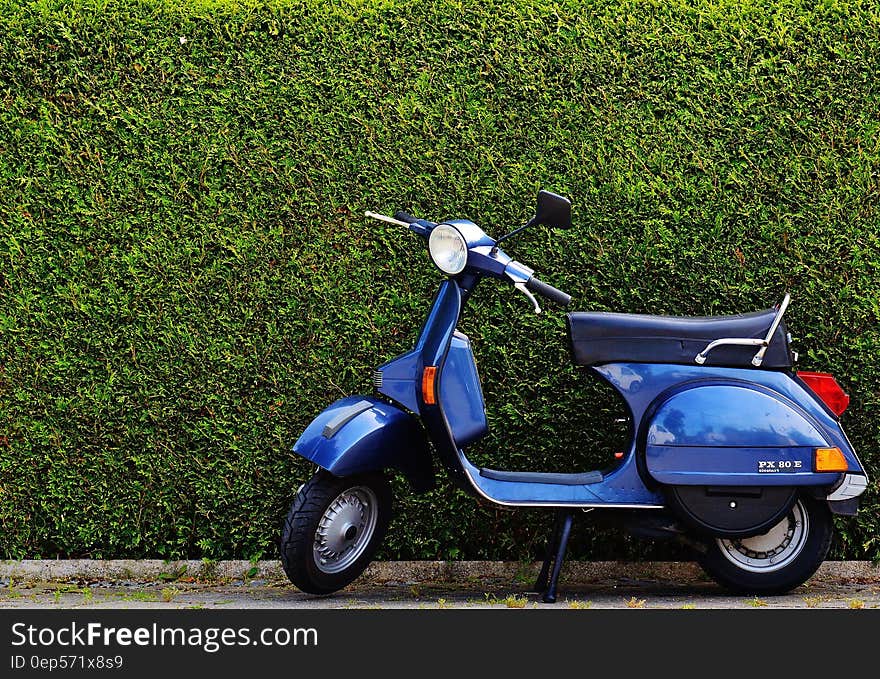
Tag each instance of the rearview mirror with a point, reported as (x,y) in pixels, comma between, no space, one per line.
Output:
(553,210)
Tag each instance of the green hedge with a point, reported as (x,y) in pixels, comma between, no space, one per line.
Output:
(185,277)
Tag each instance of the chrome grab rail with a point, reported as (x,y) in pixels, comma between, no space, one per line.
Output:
(758,358)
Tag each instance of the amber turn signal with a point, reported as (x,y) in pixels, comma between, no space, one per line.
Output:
(830,460)
(429,377)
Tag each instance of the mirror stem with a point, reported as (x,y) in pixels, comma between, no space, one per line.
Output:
(513,233)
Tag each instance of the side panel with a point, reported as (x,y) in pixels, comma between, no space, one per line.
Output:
(732,434)
(460,394)
(720,436)
(730,415)
(360,434)
(744,466)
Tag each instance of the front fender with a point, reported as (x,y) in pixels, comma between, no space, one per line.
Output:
(360,434)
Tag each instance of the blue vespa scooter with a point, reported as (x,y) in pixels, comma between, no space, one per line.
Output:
(730,448)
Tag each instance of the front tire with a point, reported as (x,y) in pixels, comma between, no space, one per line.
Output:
(333,530)
(777,561)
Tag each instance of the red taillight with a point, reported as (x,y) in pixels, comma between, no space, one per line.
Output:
(826,387)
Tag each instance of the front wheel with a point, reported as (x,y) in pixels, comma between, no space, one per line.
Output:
(778,560)
(333,530)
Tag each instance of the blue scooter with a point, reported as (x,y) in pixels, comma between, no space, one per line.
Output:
(730,447)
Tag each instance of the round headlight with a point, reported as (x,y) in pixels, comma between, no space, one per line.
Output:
(448,249)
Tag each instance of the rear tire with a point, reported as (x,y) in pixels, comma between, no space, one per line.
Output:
(333,530)
(777,561)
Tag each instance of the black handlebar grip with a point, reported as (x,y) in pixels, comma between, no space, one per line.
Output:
(402,216)
(548,291)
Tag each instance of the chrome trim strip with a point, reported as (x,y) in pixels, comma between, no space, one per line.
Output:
(852,486)
(574,505)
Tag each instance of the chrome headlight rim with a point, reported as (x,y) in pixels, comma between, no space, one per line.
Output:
(453,259)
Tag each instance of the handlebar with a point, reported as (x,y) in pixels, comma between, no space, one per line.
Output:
(405,217)
(420,226)
(520,274)
(548,291)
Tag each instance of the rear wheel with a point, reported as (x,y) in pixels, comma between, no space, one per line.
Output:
(333,530)
(777,561)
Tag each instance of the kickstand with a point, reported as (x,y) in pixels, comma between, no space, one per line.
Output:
(555,548)
(541,583)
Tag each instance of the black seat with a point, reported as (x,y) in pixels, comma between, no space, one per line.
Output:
(598,337)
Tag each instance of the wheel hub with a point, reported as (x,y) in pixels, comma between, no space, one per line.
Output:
(345,529)
(772,550)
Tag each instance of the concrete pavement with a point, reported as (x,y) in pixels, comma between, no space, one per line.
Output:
(422,585)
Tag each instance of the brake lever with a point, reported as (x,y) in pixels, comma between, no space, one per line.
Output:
(522,288)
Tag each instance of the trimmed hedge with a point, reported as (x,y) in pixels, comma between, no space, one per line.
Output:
(185,277)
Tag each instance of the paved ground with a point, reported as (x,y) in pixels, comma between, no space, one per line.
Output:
(487,585)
